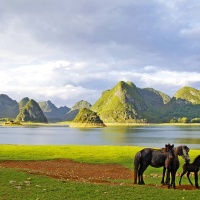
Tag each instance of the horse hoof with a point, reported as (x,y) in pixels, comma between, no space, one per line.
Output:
(141,183)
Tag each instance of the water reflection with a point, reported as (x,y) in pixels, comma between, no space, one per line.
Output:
(148,136)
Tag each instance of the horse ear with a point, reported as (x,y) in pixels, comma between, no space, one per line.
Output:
(173,146)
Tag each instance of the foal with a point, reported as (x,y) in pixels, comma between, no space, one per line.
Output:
(178,151)
(191,167)
(171,167)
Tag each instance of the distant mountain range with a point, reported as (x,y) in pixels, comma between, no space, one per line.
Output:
(124,103)
(29,110)
(52,113)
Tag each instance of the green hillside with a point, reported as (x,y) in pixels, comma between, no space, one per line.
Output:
(23,102)
(87,118)
(123,103)
(31,112)
(189,94)
(8,107)
(69,116)
(183,107)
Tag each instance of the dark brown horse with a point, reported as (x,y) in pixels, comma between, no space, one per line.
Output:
(178,151)
(171,165)
(191,167)
(152,157)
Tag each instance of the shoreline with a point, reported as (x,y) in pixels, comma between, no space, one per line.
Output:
(67,124)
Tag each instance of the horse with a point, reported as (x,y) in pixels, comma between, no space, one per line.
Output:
(152,157)
(191,167)
(171,166)
(178,151)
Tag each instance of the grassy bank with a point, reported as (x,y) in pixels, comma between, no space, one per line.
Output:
(122,155)
(13,183)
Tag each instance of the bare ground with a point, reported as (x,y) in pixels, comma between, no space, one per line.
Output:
(68,170)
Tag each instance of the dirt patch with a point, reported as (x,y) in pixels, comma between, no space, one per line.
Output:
(68,170)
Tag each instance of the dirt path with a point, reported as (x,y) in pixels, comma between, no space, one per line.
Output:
(81,172)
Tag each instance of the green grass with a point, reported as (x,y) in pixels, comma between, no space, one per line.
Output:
(91,154)
(13,183)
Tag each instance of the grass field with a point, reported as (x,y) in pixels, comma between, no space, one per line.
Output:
(16,184)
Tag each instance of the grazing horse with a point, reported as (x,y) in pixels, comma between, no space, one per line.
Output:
(191,167)
(152,157)
(178,151)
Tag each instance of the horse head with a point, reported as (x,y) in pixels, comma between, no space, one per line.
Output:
(185,154)
(169,149)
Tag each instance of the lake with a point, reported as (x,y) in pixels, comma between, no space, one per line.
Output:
(149,136)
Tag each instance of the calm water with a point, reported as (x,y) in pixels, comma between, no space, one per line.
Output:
(152,136)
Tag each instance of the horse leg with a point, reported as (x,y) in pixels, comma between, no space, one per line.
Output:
(196,179)
(184,172)
(168,178)
(163,176)
(188,176)
(140,174)
(140,177)
(173,183)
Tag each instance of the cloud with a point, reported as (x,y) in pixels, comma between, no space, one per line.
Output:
(66,83)
(84,47)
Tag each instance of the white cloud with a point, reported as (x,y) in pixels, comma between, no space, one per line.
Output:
(69,50)
(66,83)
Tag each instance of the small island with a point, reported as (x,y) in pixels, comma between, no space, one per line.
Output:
(87,118)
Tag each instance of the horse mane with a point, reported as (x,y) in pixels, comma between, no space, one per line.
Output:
(179,150)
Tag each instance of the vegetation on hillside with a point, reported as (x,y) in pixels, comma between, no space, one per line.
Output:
(87,118)
(31,112)
(69,116)
(124,103)
(189,94)
(8,107)
(23,102)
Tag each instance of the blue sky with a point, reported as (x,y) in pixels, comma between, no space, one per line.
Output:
(67,50)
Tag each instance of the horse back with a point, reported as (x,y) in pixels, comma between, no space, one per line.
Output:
(158,158)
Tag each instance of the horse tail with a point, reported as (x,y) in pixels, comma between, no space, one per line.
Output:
(136,165)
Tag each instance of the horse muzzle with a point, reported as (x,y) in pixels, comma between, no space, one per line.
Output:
(187,160)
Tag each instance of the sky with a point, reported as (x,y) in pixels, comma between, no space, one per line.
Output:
(71,50)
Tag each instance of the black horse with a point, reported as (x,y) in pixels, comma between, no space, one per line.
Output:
(171,167)
(178,151)
(152,157)
(191,167)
